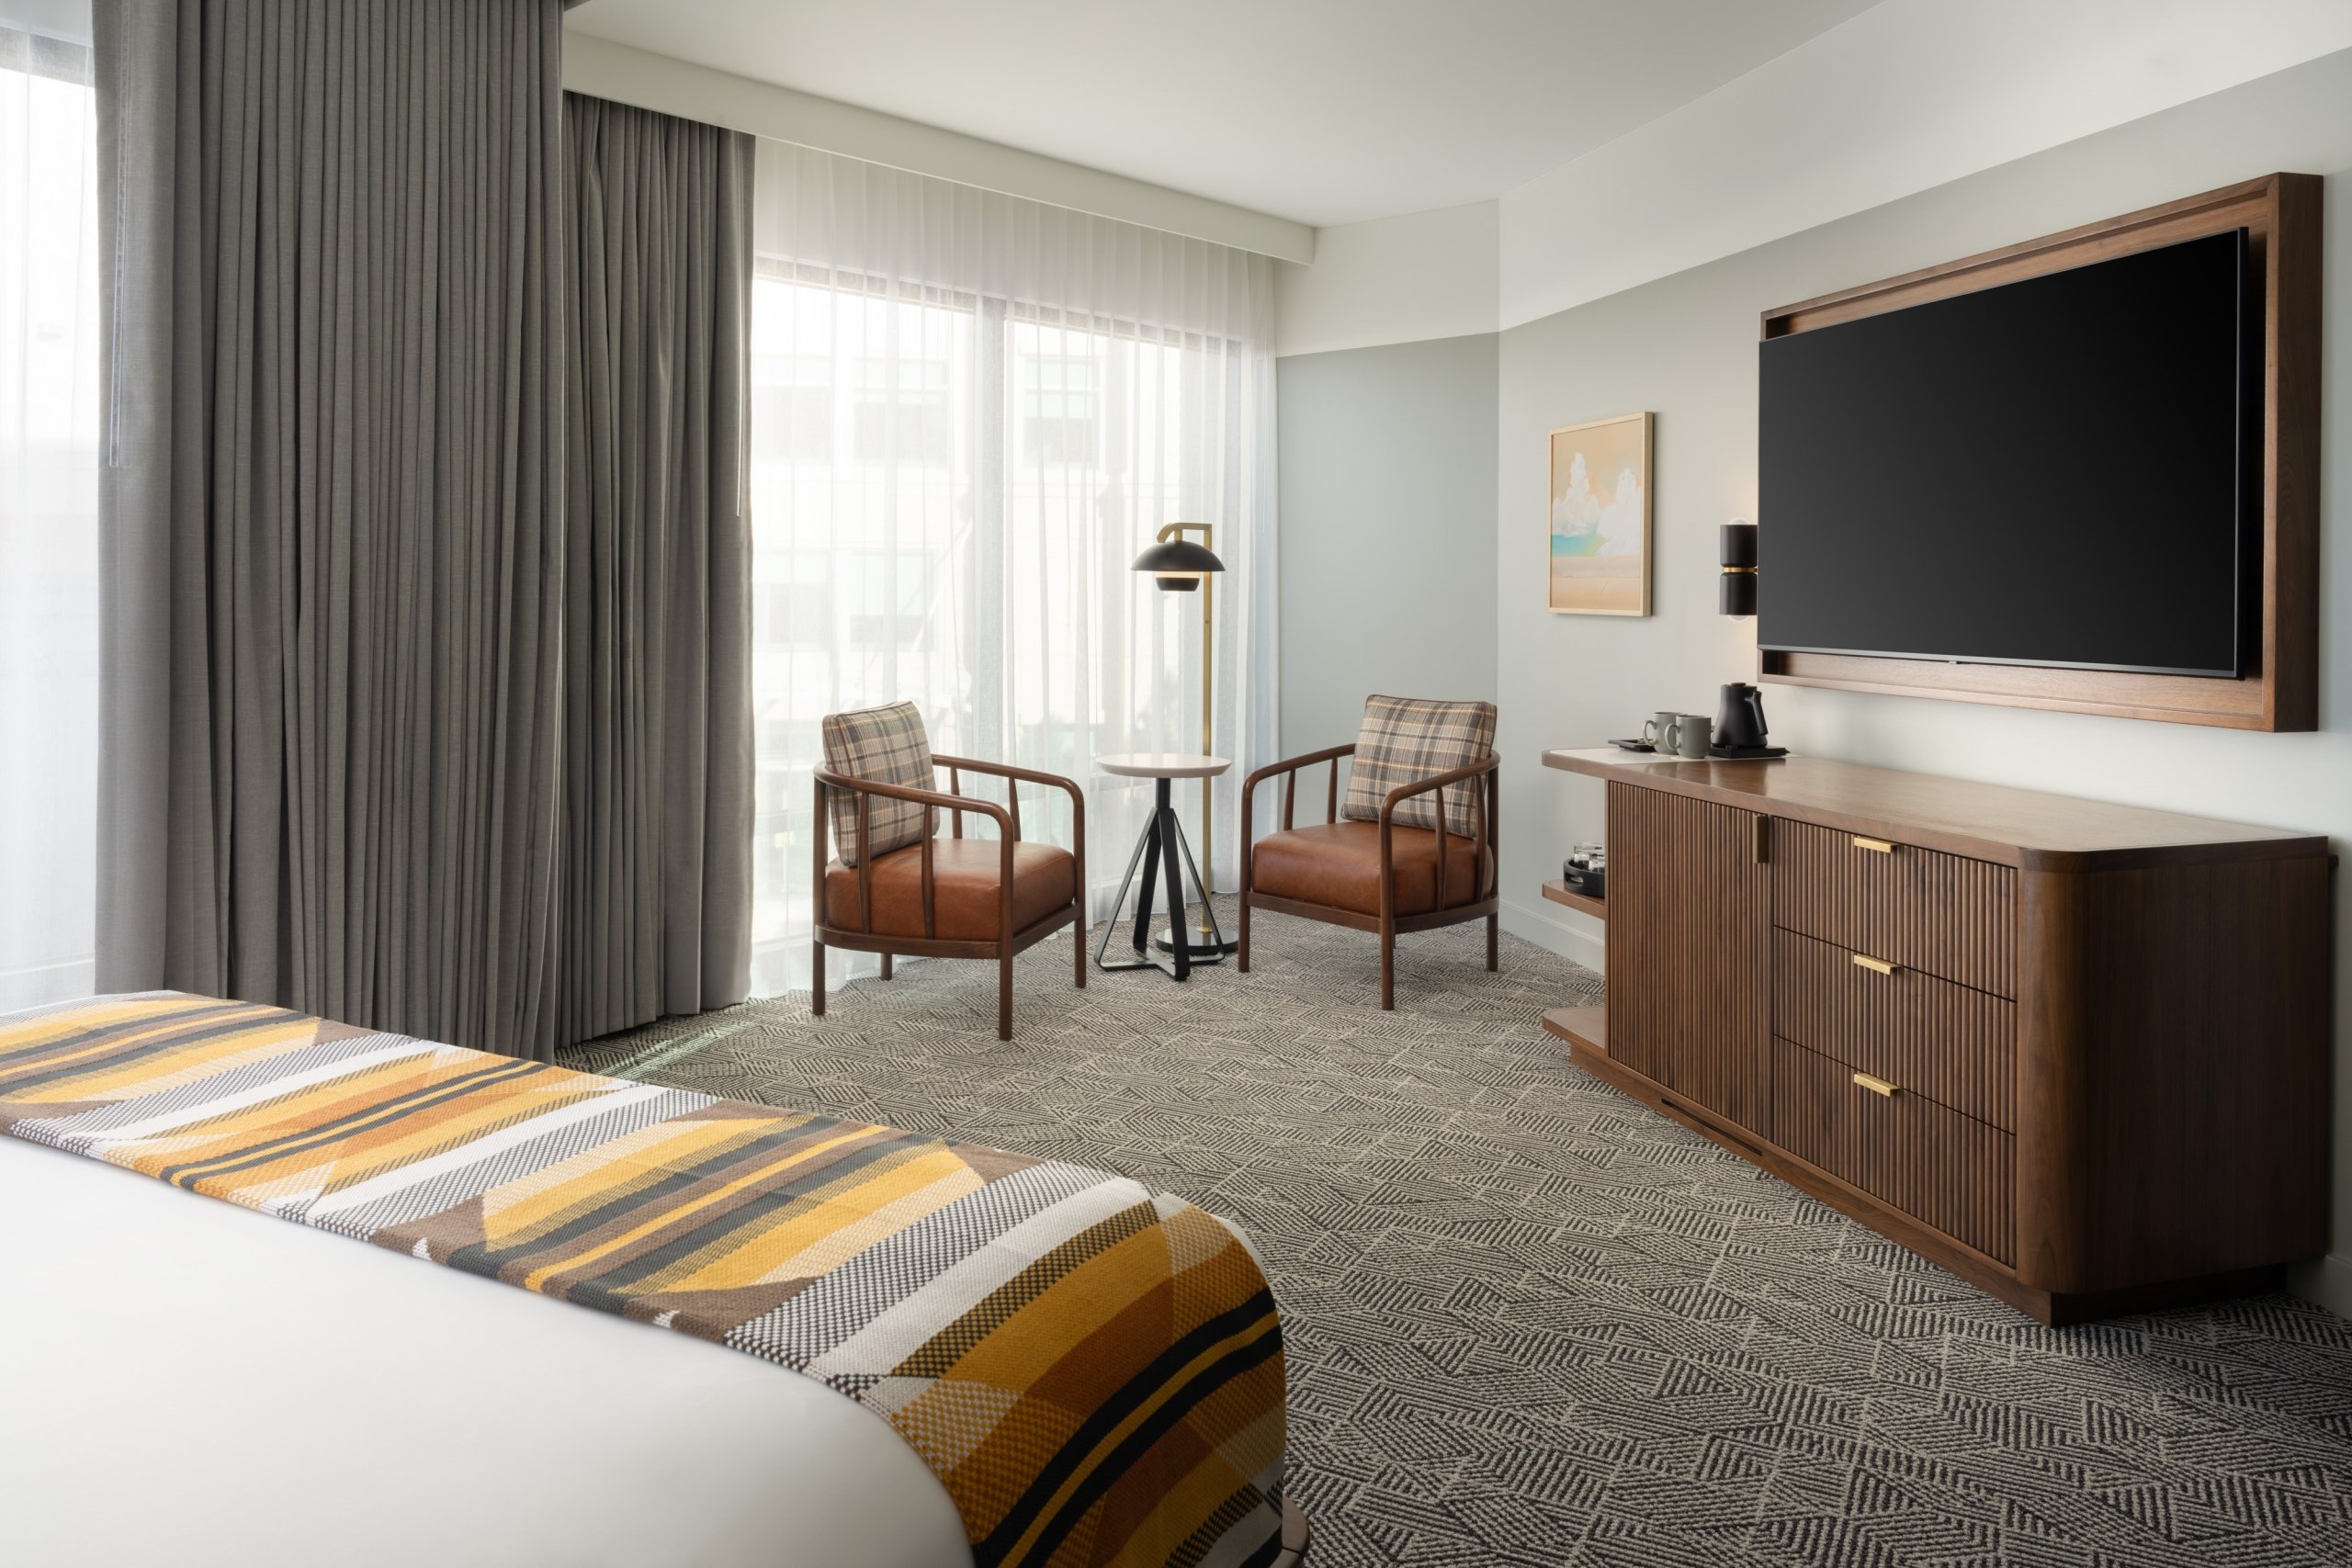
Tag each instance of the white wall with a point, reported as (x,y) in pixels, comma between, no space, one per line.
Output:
(1427,275)
(1387,537)
(1906,95)
(68,19)
(1685,347)
(1944,91)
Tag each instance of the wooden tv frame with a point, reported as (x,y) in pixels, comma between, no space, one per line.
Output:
(2280,689)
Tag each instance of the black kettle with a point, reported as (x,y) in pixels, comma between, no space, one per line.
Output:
(1739,722)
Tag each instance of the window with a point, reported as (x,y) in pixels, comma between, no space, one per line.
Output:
(902,412)
(1059,412)
(970,413)
(48,551)
(792,400)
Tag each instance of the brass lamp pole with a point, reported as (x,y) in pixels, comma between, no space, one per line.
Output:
(1180,566)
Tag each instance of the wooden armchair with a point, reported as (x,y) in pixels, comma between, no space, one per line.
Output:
(960,898)
(1375,876)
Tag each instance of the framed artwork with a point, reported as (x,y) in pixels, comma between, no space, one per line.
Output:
(1600,522)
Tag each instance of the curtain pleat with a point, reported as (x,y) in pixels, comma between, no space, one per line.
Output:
(656,893)
(332,647)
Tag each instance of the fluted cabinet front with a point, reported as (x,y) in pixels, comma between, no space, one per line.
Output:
(1689,917)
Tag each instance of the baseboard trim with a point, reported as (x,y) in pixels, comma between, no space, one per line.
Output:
(1549,931)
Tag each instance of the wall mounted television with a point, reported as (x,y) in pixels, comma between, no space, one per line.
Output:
(2063,470)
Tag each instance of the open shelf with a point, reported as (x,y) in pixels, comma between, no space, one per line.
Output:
(1588,1027)
(1560,893)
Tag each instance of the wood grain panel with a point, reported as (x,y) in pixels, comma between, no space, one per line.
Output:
(2164,1135)
(2115,693)
(1950,1044)
(1925,909)
(1949,1171)
(1995,822)
(1689,922)
(2174,1073)
(2281,215)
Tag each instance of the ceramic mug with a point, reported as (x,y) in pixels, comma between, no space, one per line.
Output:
(1690,732)
(1659,729)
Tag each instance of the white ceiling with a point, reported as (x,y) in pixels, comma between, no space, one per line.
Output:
(1322,111)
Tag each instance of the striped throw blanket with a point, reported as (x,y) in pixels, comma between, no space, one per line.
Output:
(1094,1370)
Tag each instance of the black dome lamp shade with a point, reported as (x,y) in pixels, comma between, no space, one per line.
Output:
(1178,564)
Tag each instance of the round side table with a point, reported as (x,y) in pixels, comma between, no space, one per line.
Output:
(1162,842)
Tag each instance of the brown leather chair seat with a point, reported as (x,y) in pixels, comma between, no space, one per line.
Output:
(1336,865)
(965,872)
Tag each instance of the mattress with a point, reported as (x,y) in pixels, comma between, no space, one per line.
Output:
(215,1385)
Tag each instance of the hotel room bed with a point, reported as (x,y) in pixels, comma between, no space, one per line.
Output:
(183,1386)
(914,1352)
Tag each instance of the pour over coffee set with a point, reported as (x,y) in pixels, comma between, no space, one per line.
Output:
(1737,733)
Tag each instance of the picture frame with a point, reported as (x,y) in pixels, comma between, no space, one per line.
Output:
(1596,517)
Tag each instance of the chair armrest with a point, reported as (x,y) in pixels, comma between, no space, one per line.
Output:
(1487,764)
(1481,873)
(1005,769)
(938,797)
(1293,764)
(1006,835)
(1290,768)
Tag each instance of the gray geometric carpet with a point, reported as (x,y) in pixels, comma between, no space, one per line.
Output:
(1531,1323)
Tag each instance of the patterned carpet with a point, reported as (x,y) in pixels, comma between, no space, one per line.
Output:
(1532,1323)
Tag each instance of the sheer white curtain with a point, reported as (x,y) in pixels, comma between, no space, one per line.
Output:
(971,414)
(49,502)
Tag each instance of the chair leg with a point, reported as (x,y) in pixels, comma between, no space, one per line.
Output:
(1494,950)
(1387,968)
(1244,945)
(817,976)
(1077,943)
(886,966)
(1004,990)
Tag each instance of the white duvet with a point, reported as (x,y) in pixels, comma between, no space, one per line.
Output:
(184,1381)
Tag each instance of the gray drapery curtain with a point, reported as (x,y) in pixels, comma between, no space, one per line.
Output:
(656,896)
(339,707)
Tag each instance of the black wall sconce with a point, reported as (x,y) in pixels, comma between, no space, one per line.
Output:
(1739,596)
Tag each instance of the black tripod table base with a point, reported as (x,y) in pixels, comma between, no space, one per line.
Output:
(1158,852)
(1207,947)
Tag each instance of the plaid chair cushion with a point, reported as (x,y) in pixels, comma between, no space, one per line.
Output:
(1406,740)
(887,745)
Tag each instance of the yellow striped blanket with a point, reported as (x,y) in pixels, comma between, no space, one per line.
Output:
(1094,1369)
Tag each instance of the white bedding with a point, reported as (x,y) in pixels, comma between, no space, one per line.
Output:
(182,1381)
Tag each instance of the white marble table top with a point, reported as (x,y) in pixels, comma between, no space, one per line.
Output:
(1162,764)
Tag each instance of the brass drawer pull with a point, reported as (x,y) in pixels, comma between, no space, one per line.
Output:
(1876,846)
(1876,1085)
(1876,966)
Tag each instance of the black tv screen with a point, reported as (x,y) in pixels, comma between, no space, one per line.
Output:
(2051,471)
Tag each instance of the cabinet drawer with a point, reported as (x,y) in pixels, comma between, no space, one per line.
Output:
(1925,909)
(1951,1171)
(1953,1044)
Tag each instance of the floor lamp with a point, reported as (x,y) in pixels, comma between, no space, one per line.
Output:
(1180,566)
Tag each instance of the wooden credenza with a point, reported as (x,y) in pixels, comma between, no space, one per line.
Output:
(2076,1053)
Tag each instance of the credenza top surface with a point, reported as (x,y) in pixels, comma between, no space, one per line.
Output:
(2021,827)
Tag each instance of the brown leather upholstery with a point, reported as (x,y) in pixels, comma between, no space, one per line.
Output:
(1337,866)
(965,871)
